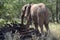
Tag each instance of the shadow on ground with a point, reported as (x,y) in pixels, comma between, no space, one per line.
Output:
(30,35)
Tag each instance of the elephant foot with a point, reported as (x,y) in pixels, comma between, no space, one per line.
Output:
(37,32)
(47,33)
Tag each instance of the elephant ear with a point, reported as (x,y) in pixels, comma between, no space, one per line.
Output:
(24,8)
(28,10)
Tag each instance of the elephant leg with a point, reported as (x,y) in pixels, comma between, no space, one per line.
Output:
(47,28)
(36,27)
(35,24)
(42,32)
(41,26)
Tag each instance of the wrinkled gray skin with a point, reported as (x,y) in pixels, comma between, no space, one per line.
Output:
(38,14)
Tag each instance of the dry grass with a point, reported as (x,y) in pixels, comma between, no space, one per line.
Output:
(55,30)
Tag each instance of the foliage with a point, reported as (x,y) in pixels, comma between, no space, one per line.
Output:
(10,9)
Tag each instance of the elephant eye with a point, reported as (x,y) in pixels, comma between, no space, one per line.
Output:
(25,7)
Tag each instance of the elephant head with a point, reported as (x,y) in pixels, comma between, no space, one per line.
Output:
(25,12)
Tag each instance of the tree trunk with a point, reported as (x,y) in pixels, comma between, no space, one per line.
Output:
(57,11)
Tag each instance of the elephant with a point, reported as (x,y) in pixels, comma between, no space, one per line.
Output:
(39,15)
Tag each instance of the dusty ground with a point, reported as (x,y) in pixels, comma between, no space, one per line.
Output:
(55,30)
